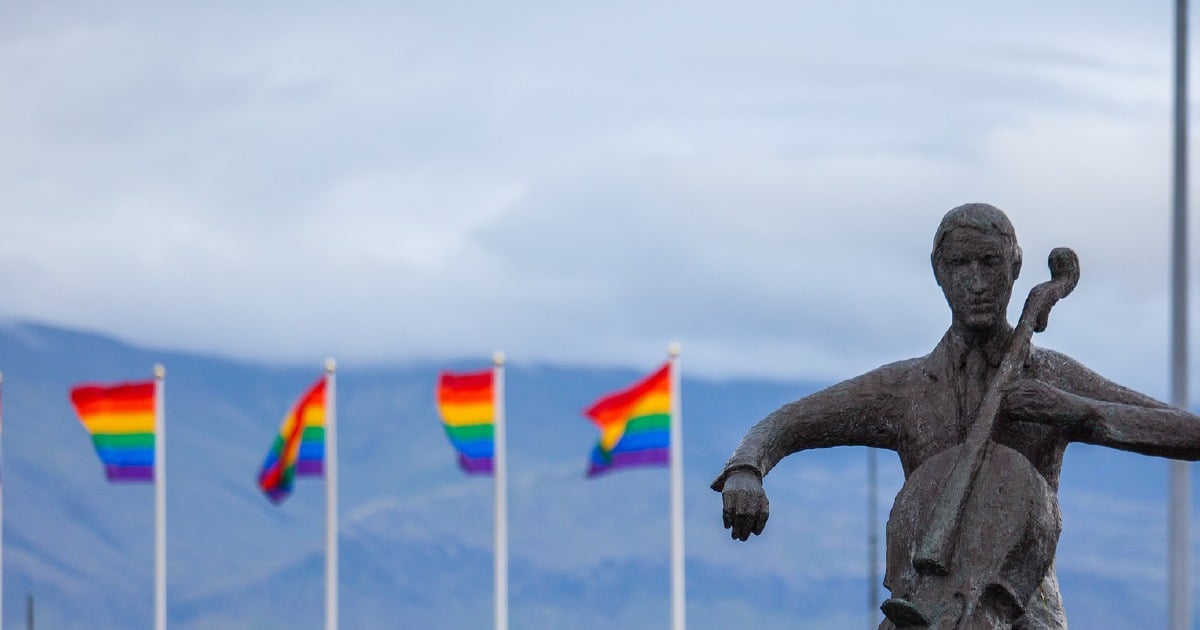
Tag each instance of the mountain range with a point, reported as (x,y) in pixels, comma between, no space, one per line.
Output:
(416,534)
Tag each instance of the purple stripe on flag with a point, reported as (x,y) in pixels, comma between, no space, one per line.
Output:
(277,495)
(121,474)
(477,466)
(653,457)
(310,468)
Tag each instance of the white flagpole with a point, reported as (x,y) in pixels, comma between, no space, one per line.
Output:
(1,520)
(160,499)
(331,497)
(678,591)
(500,476)
(873,580)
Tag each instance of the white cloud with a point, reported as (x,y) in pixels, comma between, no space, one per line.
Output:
(577,185)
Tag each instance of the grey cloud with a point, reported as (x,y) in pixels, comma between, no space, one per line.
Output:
(574,185)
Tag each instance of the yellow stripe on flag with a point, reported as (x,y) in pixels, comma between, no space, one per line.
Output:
(120,422)
(466,415)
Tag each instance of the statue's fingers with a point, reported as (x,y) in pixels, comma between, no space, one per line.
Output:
(744,515)
(735,526)
(757,508)
(764,512)
(742,524)
(728,502)
(1017,398)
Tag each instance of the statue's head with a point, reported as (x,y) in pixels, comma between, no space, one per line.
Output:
(976,259)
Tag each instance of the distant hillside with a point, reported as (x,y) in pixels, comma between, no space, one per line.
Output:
(416,534)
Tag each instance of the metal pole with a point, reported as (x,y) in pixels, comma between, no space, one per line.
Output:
(678,589)
(29,612)
(331,496)
(1179,552)
(872,541)
(1,525)
(500,476)
(160,499)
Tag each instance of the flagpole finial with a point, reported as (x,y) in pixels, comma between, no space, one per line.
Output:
(1,377)
(498,358)
(330,365)
(674,349)
(160,372)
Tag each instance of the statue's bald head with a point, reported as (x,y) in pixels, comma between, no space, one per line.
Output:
(985,218)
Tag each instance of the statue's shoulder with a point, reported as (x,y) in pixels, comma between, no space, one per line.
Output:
(1045,362)
(898,374)
(1061,371)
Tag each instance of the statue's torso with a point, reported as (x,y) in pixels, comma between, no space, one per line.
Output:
(930,417)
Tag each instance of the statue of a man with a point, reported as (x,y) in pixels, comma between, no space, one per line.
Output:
(922,407)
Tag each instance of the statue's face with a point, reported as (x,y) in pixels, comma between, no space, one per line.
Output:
(976,272)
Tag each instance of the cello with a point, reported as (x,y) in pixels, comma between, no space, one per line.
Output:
(974,529)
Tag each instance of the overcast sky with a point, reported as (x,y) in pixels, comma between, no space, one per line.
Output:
(579,182)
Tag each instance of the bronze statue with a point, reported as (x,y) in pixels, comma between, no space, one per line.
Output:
(980,425)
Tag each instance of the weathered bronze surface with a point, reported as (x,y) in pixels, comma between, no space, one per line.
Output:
(980,425)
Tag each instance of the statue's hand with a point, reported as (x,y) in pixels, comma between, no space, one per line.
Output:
(1034,401)
(745,504)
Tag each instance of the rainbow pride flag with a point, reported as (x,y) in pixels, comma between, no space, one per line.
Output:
(467,404)
(635,425)
(299,450)
(120,419)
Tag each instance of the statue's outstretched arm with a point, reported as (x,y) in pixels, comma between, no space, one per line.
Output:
(854,412)
(1091,409)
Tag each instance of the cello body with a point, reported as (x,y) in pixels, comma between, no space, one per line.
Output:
(1003,550)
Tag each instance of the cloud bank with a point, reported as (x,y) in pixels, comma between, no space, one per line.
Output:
(582,184)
